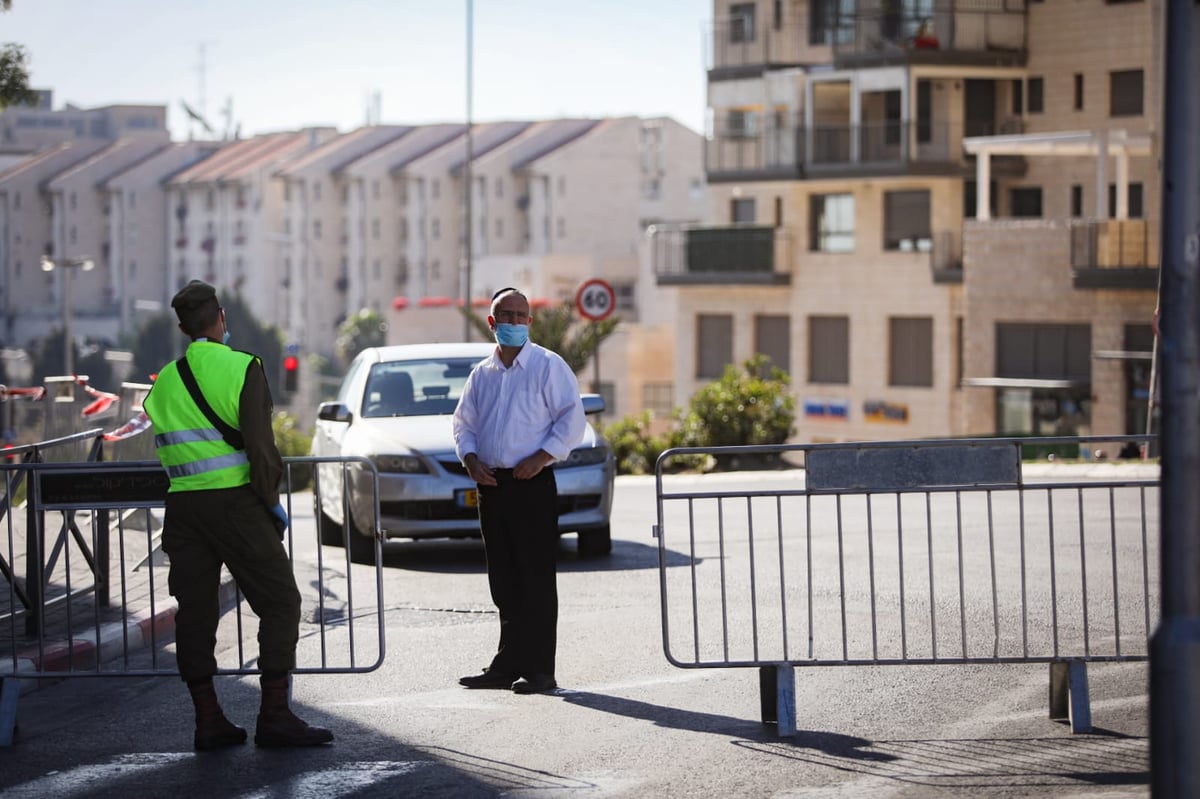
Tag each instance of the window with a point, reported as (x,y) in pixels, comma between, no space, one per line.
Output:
(924,111)
(1044,351)
(375,228)
(656,398)
(1133,197)
(1076,200)
(906,224)
(1037,87)
(741,124)
(741,210)
(562,185)
(437,229)
(499,187)
(1025,202)
(714,344)
(773,338)
(910,351)
(1018,97)
(317,191)
(831,223)
(562,228)
(829,349)
(316,228)
(1125,93)
(741,23)
(436,190)
(1078,91)
(499,228)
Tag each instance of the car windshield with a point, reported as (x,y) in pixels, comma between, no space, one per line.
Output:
(415,388)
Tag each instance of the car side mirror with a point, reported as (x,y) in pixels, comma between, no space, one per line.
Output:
(592,403)
(334,412)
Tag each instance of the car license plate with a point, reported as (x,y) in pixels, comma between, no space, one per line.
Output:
(466,498)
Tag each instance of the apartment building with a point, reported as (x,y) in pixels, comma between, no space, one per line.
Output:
(27,129)
(555,204)
(848,239)
(231,227)
(382,231)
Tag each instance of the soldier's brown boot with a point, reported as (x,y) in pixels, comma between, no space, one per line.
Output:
(278,725)
(213,730)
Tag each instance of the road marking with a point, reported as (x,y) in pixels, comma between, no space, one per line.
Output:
(341,780)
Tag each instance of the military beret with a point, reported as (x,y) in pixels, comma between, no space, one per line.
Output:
(193,295)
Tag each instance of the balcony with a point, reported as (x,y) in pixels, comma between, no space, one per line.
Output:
(1114,254)
(731,255)
(748,151)
(908,32)
(741,48)
(945,259)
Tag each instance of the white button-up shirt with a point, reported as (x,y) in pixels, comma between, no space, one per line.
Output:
(506,414)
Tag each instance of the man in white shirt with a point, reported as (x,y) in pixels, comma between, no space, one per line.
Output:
(519,412)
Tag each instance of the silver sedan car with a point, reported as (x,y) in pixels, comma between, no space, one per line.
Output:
(394,409)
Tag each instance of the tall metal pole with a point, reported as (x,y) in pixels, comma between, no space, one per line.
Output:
(469,188)
(1175,647)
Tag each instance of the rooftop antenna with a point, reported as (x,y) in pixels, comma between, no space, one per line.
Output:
(201,98)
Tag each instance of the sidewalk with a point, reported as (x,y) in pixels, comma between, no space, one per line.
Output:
(83,634)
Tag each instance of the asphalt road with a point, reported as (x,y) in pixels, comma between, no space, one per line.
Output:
(625,723)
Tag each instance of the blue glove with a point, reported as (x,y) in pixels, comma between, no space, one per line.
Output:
(279,513)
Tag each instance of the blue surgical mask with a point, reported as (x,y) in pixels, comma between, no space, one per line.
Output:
(225,337)
(508,335)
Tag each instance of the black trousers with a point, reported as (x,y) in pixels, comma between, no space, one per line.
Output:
(231,526)
(519,520)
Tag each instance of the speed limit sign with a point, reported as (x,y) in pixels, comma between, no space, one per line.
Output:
(595,300)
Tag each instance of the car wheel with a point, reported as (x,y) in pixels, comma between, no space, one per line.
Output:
(329,532)
(593,543)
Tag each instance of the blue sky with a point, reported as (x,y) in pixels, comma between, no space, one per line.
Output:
(285,64)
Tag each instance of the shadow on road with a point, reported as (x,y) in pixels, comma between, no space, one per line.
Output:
(1013,763)
(466,556)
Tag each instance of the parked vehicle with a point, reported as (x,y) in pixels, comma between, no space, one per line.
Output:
(394,408)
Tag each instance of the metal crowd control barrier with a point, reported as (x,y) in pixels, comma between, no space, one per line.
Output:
(909,552)
(102,608)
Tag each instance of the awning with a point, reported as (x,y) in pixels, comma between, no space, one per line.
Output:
(1122,355)
(1019,382)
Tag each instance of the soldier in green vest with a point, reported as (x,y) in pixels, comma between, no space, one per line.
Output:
(211,412)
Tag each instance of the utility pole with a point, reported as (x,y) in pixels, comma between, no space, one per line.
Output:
(469,188)
(1175,646)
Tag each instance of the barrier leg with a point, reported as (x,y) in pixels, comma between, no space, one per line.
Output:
(777,698)
(10,690)
(1069,696)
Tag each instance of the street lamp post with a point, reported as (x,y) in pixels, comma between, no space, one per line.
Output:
(49,265)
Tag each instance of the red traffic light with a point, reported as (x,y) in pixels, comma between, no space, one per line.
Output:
(291,363)
(291,372)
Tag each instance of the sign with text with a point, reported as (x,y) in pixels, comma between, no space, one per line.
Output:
(595,300)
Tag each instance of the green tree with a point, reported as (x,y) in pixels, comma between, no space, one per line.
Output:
(159,340)
(48,360)
(362,329)
(559,329)
(14,72)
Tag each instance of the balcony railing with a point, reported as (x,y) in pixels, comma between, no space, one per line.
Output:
(735,254)
(739,44)
(771,152)
(1114,253)
(892,31)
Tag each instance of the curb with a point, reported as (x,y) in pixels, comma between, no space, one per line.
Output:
(85,654)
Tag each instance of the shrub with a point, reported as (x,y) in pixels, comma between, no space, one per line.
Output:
(742,408)
(291,441)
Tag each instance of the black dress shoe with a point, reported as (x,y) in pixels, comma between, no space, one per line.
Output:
(534,684)
(488,679)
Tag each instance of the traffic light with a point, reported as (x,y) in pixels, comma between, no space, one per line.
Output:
(291,373)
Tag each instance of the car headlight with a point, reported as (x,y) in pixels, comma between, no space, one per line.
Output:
(585,456)
(404,464)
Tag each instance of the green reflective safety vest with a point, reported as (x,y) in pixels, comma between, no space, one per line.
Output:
(190,448)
